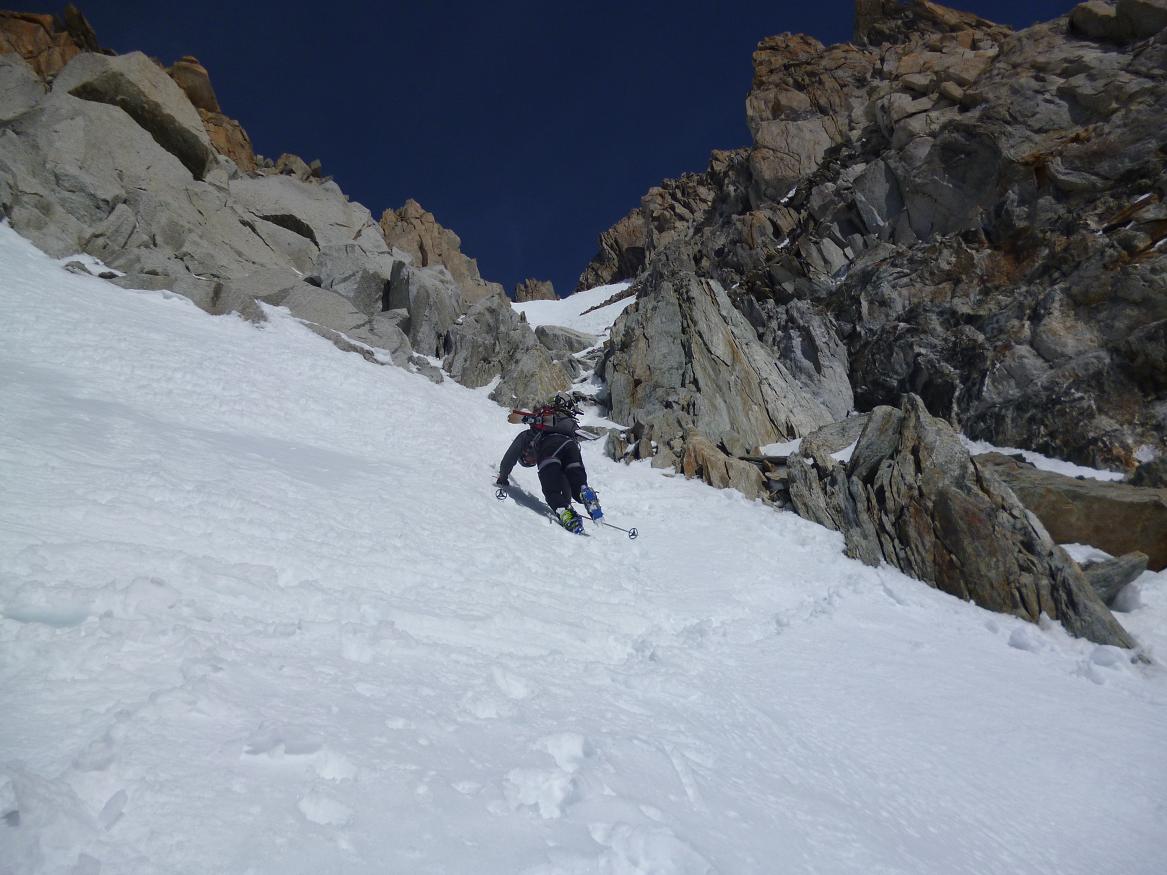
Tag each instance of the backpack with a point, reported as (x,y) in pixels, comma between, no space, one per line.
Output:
(530,455)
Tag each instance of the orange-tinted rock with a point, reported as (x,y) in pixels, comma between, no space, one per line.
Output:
(229,138)
(38,40)
(535,290)
(414,230)
(192,78)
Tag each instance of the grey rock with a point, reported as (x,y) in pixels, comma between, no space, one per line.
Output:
(564,340)
(20,88)
(320,209)
(683,357)
(490,340)
(426,368)
(434,304)
(144,91)
(836,436)
(360,275)
(912,497)
(1111,575)
(806,342)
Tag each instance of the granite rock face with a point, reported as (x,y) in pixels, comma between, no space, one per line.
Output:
(115,156)
(683,360)
(950,209)
(911,496)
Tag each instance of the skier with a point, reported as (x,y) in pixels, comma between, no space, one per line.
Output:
(551,443)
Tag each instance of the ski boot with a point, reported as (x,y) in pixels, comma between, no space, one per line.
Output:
(591,501)
(570,520)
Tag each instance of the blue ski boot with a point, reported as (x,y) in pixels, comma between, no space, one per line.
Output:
(591,501)
(570,520)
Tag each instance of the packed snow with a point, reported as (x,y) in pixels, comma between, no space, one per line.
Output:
(261,613)
(570,312)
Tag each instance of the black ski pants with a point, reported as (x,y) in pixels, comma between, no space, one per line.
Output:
(561,470)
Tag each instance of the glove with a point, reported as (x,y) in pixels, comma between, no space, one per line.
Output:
(503,481)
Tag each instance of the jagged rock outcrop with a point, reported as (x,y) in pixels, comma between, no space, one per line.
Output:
(1116,517)
(535,290)
(670,211)
(491,338)
(683,359)
(415,231)
(114,159)
(620,256)
(957,211)
(911,496)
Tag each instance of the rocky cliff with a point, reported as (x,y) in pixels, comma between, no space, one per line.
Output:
(136,164)
(942,207)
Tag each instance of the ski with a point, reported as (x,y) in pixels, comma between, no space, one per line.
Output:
(502,493)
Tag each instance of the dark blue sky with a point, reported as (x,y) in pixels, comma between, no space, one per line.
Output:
(527,127)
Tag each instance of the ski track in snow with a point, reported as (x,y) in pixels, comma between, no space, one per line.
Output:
(263,614)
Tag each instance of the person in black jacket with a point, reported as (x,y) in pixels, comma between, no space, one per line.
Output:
(551,444)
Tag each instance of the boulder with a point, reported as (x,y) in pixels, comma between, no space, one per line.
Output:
(1111,575)
(837,436)
(318,211)
(911,496)
(560,340)
(535,290)
(701,458)
(1116,517)
(147,95)
(293,165)
(195,82)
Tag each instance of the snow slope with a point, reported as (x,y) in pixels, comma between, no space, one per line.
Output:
(570,312)
(262,614)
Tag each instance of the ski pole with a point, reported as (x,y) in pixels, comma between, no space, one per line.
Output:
(631,533)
